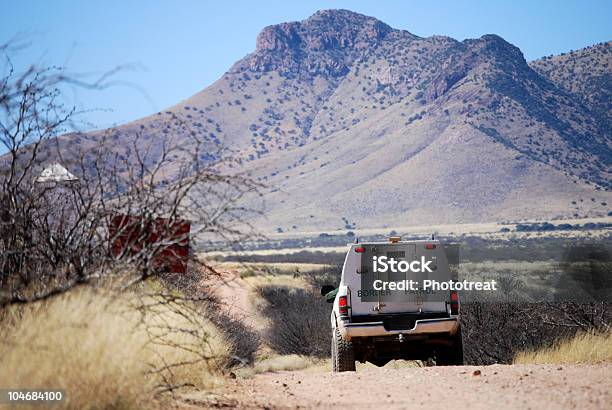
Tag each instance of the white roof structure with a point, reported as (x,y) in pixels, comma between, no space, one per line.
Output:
(56,173)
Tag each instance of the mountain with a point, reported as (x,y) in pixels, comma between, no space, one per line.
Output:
(351,123)
(586,73)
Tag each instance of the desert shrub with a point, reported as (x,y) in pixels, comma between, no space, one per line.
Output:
(299,320)
(328,275)
(59,233)
(243,341)
(496,332)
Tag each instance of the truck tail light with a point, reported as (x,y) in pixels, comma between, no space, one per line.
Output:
(360,249)
(430,246)
(343,305)
(454,303)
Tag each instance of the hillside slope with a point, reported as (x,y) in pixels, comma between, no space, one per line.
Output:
(351,123)
(585,73)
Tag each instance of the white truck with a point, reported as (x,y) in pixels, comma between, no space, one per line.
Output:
(384,310)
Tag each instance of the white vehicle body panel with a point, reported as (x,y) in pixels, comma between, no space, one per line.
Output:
(351,283)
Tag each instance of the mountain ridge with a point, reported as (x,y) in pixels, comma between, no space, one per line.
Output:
(344,117)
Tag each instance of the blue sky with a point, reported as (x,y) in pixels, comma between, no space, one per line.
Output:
(179,47)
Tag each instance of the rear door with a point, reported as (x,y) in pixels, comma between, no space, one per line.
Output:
(366,300)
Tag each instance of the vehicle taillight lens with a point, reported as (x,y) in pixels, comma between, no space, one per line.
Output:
(454,303)
(360,249)
(343,305)
(430,246)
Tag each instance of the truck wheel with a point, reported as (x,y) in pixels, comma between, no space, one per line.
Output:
(453,355)
(343,356)
(333,353)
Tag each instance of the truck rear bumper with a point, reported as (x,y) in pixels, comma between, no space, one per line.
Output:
(423,326)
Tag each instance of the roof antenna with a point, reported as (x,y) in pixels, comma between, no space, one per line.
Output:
(433,237)
(356,239)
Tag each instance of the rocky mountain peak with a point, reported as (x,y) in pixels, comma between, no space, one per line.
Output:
(492,45)
(326,43)
(324,30)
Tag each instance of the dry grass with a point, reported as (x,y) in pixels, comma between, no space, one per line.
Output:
(276,363)
(250,269)
(106,353)
(271,268)
(282,363)
(583,348)
(276,280)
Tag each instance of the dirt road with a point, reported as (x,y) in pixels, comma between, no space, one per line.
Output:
(465,387)
(397,386)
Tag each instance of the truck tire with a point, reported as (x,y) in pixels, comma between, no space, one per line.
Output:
(453,355)
(343,356)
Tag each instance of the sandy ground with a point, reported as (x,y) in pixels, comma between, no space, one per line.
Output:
(462,387)
(233,293)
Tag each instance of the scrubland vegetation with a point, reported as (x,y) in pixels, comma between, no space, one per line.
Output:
(586,348)
(494,330)
(86,303)
(289,300)
(110,350)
